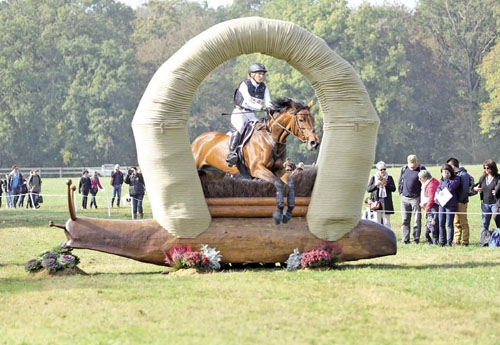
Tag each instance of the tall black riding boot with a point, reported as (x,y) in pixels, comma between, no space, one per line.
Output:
(232,158)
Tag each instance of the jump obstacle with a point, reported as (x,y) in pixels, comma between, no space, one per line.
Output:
(182,215)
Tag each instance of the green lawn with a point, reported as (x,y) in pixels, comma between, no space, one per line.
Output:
(422,295)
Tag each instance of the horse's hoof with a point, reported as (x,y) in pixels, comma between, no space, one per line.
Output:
(286,217)
(278,217)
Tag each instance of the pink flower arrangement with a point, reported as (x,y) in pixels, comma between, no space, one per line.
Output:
(325,255)
(316,258)
(184,257)
(196,260)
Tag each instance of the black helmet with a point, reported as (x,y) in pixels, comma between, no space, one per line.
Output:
(256,67)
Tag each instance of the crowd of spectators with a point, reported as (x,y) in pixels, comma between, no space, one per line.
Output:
(20,190)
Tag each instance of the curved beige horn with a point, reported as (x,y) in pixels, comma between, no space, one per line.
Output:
(350,125)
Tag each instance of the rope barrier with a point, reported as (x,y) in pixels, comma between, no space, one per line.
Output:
(124,199)
(127,200)
(437,212)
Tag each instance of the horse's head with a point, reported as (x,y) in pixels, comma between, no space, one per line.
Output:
(294,118)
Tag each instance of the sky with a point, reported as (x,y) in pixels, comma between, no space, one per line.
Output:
(352,3)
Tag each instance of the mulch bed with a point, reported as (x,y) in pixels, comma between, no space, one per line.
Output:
(60,273)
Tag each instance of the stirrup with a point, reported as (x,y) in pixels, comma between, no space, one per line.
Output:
(232,159)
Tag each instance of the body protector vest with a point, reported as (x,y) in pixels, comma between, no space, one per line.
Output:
(256,92)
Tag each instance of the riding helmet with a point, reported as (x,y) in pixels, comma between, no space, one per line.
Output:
(256,67)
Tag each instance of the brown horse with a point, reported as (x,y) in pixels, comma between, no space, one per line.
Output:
(264,154)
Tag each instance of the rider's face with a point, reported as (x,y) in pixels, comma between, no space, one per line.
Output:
(258,76)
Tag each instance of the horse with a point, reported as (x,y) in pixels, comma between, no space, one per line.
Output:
(264,154)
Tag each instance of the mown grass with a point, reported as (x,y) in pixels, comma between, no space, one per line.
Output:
(422,295)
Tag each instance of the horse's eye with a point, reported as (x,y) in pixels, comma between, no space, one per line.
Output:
(301,120)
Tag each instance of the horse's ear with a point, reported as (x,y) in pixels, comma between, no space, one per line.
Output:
(310,104)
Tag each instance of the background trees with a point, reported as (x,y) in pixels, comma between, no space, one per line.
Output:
(72,73)
(67,82)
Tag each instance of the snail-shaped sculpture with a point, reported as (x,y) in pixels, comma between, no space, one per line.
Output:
(181,214)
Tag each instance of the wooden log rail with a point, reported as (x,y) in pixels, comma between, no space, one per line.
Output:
(252,207)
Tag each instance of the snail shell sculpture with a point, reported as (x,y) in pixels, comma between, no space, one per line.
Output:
(181,214)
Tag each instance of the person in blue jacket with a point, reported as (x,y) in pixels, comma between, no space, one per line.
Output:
(447,199)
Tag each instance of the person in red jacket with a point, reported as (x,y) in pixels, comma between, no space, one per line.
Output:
(429,187)
(95,185)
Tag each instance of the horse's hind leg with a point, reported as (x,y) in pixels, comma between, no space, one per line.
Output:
(280,202)
(290,200)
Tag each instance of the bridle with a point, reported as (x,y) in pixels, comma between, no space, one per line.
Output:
(301,129)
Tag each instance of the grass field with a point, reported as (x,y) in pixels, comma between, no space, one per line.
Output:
(422,295)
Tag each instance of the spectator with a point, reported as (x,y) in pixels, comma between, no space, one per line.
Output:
(116,184)
(84,187)
(496,215)
(461,222)
(486,189)
(447,198)
(409,187)
(14,182)
(368,213)
(135,181)
(429,187)
(35,188)
(1,190)
(8,195)
(381,187)
(95,185)
(22,193)
(289,166)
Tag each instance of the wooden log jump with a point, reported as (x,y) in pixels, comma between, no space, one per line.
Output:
(240,240)
(251,207)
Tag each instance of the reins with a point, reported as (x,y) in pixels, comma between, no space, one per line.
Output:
(301,130)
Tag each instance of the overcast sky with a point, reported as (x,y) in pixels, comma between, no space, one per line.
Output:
(216,3)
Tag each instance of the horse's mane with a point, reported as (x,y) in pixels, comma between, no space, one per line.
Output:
(284,103)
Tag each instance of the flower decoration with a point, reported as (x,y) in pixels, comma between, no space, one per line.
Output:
(53,260)
(326,255)
(179,257)
(213,256)
(293,262)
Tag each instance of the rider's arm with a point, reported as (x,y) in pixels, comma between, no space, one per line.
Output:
(267,98)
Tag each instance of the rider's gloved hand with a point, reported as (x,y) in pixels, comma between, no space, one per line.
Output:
(267,110)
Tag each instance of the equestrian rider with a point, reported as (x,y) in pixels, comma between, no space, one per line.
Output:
(251,95)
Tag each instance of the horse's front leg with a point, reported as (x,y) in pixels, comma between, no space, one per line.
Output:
(265,174)
(280,202)
(290,200)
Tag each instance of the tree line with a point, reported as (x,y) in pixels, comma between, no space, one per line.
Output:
(72,73)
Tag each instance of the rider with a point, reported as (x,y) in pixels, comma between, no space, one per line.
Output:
(251,95)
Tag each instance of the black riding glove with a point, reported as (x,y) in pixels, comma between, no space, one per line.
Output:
(268,110)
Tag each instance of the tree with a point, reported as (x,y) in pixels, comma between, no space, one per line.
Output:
(67,77)
(324,18)
(378,42)
(490,110)
(464,31)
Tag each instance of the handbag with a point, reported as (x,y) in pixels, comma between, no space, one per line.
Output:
(40,199)
(494,239)
(375,205)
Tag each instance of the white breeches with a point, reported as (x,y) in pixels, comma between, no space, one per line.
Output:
(239,118)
